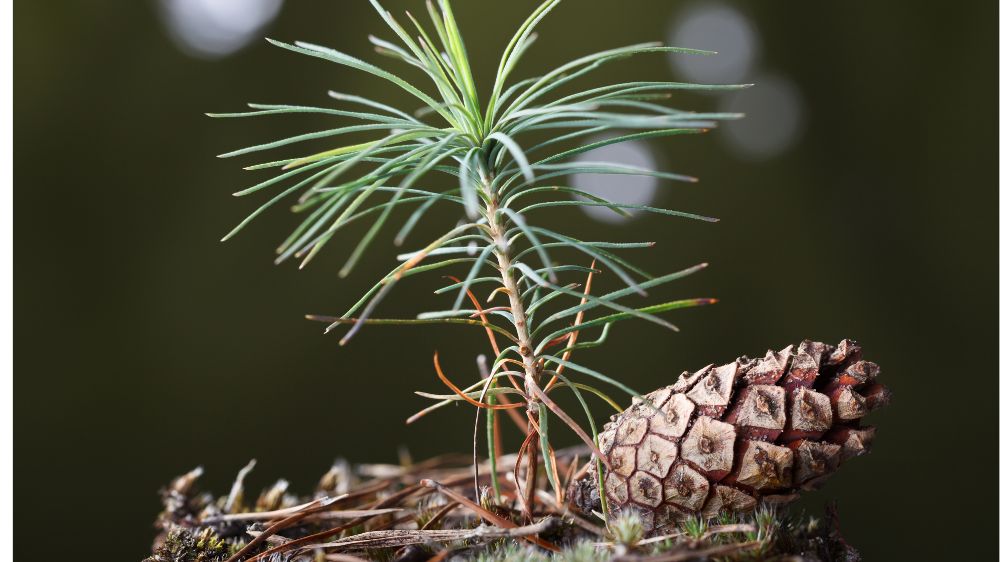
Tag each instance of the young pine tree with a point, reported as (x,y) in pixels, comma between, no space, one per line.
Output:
(495,159)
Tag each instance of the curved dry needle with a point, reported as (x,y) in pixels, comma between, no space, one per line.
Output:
(572,336)
(454,388)
(514,415)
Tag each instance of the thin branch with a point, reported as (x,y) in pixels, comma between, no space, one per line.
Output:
(487,515)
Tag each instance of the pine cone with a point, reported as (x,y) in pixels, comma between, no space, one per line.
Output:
(726,438)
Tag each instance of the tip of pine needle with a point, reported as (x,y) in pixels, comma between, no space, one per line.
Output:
(702,302)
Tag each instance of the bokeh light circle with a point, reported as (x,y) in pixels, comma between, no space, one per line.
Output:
(773,121)
(625,189)
(719,28)
(216,28)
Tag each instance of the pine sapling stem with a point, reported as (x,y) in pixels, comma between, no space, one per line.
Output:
(525,348)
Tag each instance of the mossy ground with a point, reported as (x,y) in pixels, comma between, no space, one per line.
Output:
(399,514)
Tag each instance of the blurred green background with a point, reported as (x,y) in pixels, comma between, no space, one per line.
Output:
(145,347)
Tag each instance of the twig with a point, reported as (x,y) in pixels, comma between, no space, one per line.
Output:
(440,515)
(268,515)
(734,528)
(404,537)
(391,500)
(282,524)
(343,558)
(487,515)
(576,518)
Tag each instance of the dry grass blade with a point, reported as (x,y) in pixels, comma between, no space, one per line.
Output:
(556,481)
(236,492)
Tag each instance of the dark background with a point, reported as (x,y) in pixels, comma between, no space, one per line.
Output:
(145,347)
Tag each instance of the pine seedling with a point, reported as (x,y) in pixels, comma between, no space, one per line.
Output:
(695,527)
(497,161)
(582,552)
(627,529)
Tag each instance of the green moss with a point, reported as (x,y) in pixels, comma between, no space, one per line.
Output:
(627,529)
(582,552)
(183,545)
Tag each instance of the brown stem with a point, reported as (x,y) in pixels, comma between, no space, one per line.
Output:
(531,476)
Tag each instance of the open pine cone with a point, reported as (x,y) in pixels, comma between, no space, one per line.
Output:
(728,437)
